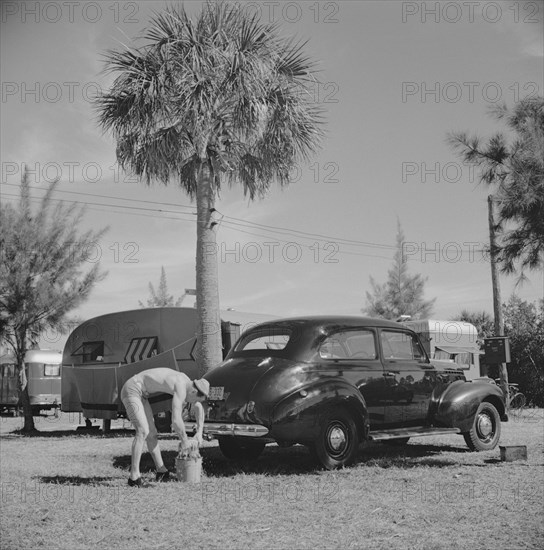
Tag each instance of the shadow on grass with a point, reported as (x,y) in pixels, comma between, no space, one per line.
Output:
(408,456)
(80,432)
(297,460)
(76,480)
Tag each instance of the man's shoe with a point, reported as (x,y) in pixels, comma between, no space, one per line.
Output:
(138,483)
(162,476)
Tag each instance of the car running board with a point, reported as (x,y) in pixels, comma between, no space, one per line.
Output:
(410,432)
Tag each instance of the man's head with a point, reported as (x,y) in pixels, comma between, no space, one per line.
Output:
(201,391)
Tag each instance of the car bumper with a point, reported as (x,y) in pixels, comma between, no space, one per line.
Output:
(226,428)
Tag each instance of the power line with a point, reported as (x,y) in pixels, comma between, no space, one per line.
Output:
(310,235)
(280,230)
(106,196)
(226,222)
(35,199)
(312,247)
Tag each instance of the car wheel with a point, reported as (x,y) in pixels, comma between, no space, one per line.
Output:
(486,429)
(239,450)
(337,442)
(396,442)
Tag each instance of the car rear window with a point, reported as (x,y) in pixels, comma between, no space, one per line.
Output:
(264,340)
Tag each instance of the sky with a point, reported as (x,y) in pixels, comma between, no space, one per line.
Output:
(396,77)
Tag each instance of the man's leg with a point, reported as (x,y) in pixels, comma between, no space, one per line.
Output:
(152,439)
(135,408)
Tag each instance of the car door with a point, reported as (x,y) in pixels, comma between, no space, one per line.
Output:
(409,378)
(353,355)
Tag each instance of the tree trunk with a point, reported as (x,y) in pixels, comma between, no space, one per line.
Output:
(497,306)
(24,399)
(207,283)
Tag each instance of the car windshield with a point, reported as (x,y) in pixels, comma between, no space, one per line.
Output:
(264,340)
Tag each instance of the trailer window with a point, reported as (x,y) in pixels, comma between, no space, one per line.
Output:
(51,370)
(141,348)
(91,351)
(8,370)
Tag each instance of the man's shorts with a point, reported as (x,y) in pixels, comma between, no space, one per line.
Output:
(133,388)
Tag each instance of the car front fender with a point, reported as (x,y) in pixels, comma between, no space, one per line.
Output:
(296,417)
(456,406)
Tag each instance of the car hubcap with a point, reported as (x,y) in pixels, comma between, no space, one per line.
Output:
(485,426)
(337,439)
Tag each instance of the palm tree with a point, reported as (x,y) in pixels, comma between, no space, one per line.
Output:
(222,99)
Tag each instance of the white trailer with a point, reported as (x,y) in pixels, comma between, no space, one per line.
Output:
(102,353)
(454,342)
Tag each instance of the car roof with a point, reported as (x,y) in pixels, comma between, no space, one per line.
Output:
(334,320)
(308,328)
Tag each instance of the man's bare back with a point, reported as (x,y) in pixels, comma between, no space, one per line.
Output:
(162,380)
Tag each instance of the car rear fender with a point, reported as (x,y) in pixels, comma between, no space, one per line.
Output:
(456,406)
(297,417)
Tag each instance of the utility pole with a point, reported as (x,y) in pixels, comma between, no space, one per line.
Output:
(497,307)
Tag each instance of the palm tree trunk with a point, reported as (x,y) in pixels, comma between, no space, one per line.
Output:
(207,282)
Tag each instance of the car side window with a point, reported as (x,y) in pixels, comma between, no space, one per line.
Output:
(400,345)
(349,344)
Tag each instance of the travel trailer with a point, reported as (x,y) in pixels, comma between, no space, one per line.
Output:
(43,377)
(102,353)
(452,342)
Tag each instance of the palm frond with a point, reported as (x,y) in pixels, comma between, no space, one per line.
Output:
(224,88)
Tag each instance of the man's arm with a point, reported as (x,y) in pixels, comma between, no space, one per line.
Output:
(199,414)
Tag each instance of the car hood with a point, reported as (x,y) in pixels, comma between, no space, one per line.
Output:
(246,379)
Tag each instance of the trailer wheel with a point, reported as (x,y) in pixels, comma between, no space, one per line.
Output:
(486,429)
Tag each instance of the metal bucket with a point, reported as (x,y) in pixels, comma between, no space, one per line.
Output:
(189,469)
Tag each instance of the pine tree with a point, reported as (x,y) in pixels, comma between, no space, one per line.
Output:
(402,294)
(43,273)
(160,297)
(516,171)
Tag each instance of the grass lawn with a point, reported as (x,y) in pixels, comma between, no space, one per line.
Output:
(66,490)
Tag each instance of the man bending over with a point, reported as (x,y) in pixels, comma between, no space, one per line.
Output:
(135,394)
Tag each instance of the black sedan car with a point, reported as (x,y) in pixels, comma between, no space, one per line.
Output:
(333,382)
